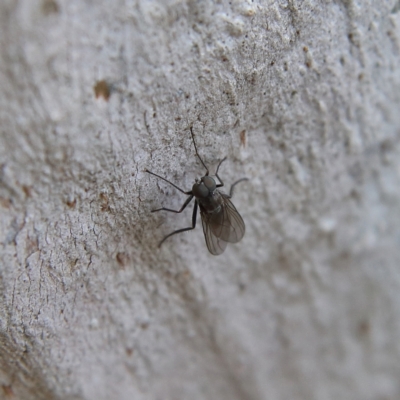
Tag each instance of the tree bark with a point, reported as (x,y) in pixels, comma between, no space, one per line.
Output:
(303,97)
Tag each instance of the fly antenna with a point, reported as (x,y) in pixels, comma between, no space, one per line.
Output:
(197,153)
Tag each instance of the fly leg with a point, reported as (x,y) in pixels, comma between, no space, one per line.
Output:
(222,183)
(194,217)
(216,173)
(188,200)
(234,184)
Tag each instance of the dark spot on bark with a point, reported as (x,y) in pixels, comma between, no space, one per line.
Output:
(102,89)
(6,203)
(129,351)
(243,138)
(122,259)
(355,195)
(363,328)
(27,190)
(386,145)
(7,390)
(354,39)
(50,7)
(104,206)
(32,245)
(71,203)
(305,49)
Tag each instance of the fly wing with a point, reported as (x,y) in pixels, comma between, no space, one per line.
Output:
(227,225)
(223,226)
(215,245)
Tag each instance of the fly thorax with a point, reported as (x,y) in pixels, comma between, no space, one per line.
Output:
(217,210)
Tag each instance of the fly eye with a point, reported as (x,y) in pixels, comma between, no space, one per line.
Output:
(209,183)
(199,190)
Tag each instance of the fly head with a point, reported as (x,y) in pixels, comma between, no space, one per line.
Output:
(204,188)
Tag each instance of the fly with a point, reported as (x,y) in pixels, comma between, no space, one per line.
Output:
(222,224)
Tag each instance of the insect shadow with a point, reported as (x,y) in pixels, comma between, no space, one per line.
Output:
(222,224)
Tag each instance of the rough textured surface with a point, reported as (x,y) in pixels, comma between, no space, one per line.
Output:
(302,96)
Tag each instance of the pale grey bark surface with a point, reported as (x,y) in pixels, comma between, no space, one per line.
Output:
(304,99)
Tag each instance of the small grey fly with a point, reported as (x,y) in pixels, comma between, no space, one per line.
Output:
(222,224)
